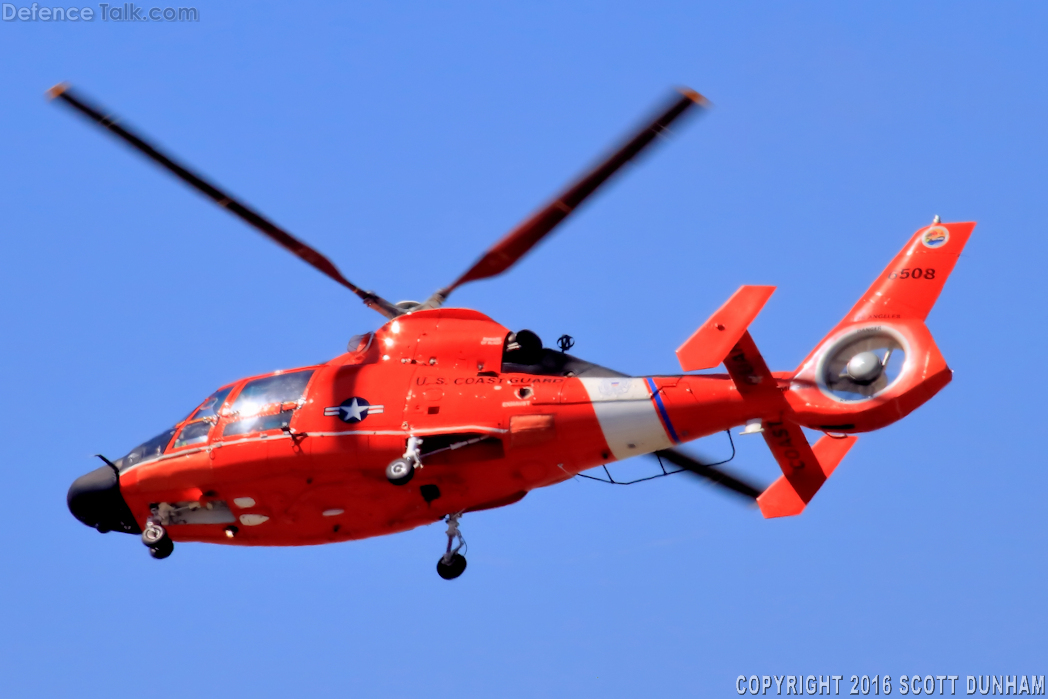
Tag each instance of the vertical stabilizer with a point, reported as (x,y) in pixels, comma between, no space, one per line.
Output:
(910,285)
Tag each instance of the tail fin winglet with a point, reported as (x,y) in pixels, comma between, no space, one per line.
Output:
(710,344)
(804,468)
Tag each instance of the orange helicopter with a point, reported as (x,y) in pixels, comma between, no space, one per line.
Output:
(444,411)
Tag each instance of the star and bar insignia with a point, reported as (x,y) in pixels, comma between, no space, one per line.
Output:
(353,410)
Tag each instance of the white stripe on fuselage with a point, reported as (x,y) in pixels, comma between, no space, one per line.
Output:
(626,415)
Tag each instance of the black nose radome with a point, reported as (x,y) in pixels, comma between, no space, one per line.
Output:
(95,500)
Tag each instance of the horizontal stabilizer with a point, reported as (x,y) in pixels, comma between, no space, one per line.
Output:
(710,344)
(804,468)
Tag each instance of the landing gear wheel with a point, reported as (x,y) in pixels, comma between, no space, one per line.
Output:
(153,534)
(157,541)
(162,549)
(452,564)
(399,472)
(453,568)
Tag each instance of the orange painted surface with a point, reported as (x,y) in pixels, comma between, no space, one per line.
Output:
(433,373)
(710,344)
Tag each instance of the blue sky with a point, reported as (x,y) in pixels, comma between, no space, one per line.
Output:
(401,140)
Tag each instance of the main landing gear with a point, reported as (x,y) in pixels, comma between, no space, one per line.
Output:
(452,564)
(157,541)
(402,470)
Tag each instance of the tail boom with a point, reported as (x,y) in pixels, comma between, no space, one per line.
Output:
(876,366)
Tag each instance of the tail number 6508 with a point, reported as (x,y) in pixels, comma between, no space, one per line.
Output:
(915,273)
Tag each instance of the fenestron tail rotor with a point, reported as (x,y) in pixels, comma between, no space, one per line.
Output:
(65,94)
(862,365)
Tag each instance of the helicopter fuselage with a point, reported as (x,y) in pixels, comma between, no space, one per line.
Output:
(488,436)
(309,466)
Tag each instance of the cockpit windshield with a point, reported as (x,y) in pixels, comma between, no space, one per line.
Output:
(146,451)
(263,404)
(194,431)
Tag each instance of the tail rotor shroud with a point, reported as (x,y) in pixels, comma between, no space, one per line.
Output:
(862,365)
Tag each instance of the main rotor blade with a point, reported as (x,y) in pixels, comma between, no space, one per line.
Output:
(519,241)
(278,235)
(714,475)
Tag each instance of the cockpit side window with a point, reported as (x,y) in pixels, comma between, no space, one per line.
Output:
(267,403)
(211,406)
(260,394)
(198,426)
(259,423)
(193,433)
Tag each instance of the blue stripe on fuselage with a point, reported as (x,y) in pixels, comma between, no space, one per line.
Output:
(662,410)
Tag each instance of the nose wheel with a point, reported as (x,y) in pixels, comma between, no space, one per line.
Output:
(452,564)
(157,541)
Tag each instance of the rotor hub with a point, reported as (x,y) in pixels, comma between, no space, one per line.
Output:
(864,368)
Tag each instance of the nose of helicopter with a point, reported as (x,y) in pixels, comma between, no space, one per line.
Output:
(95,500)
